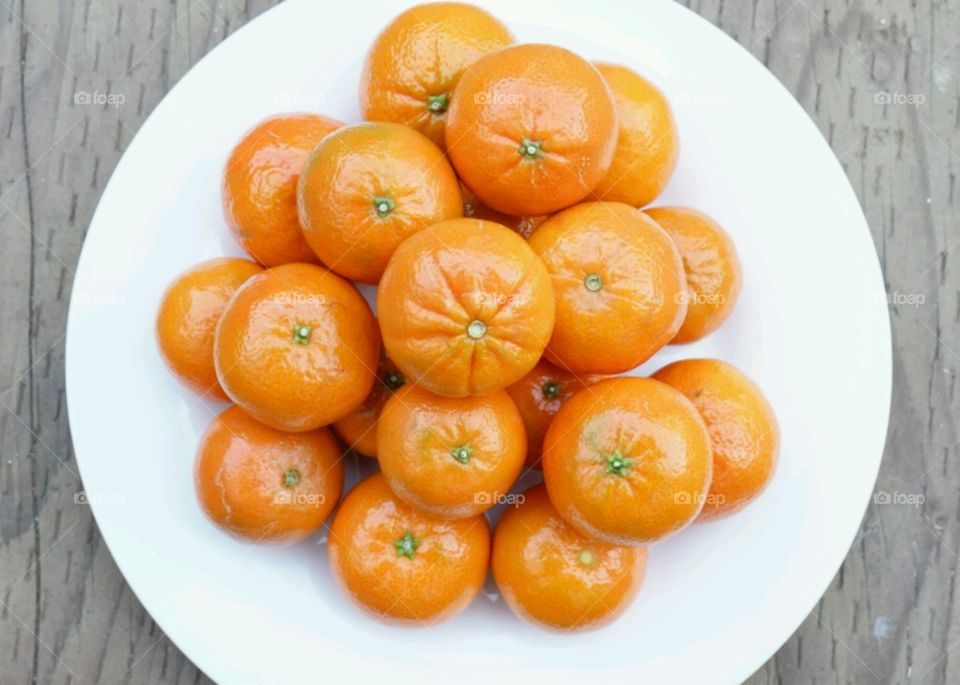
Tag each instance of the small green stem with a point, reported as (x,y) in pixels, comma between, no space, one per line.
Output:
(593,283)
(291,478)
(618,464)
(383,206)
(551,390)
(476,329)
(407,545)
(438,103)
(301,334)
(394,380)
(586,557)
(462,454)
(530,149)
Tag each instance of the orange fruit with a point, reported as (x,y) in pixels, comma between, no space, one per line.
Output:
(297,347)
(552,575)
(538,397)
(400,565)
(531,129)
(711,266)
(415,63)
(647,144)
(263,484)
(368,187)
(627,461)
(743,430)
(359,428)
(259,188)
(618,284)
(452,457)
(474,209)
(466,307)
(188,315)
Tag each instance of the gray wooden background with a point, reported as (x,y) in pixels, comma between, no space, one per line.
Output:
(879,77)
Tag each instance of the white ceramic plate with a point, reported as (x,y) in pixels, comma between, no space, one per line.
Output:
(811,327)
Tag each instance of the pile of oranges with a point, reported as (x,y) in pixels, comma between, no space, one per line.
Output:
(493,195)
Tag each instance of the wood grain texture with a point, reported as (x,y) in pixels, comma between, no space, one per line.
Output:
(880,79)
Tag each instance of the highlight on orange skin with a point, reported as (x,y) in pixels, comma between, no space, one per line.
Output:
(538,397)
(618,284)
(367,188)
(627,461)
(711,266)
(297,347)
(531,129)
(401,566)
(552,575)
(187,319)
(413,66)
(266,485)
(259,186)
(744,432)
(466,307)
(451,457)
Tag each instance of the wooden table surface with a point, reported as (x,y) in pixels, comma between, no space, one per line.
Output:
(879,77)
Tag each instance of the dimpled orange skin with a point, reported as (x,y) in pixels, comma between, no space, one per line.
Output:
(627,461)
(618,283)
(188,315)
(263,484)
(531,129)
(648,146)
(359,428)
(465,307)
(297,347)
(538,397)
(522,225)
(711,266)
(452,457)
(401,566)
(416,61)
(552,575)
(367,188)
(743,430)
(259,187)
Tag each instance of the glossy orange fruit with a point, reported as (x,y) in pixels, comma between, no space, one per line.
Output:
(452,457)
(627,461)
(618,284)
(531,129)
(743,430)
(538,397)
(474,209)
(711,266)
(556,577)
(297,347)
(188,315)
(466,307)
(647,144)
(263,484)
(359,428)
(415,63)
(400,565)
(368,187)
(259,189)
